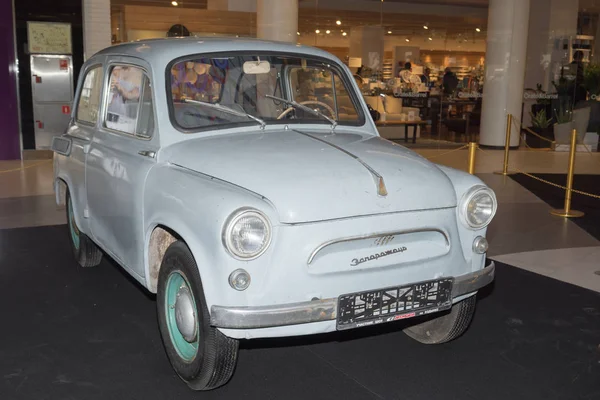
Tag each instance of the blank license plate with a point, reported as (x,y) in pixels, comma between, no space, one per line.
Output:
(392,304)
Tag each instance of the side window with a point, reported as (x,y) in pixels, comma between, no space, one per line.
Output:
(129,106)
(89,99)
(145,123)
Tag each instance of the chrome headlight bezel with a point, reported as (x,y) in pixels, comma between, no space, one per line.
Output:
(229,225)
(466,200)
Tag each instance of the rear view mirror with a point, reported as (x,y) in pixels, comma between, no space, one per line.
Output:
(257,67)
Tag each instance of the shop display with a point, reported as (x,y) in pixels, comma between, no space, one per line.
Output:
(269,206)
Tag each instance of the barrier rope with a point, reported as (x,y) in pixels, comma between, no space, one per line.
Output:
(512,167)
(22,168)
(519,125)
(448,152)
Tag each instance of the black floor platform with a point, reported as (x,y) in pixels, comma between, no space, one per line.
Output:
(73,333)
(555,197)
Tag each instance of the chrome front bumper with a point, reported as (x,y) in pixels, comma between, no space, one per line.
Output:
(319,310)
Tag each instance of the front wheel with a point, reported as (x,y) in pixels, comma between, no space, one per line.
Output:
(447,327)
(201,355)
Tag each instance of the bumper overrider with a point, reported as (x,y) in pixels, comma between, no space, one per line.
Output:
(320,310)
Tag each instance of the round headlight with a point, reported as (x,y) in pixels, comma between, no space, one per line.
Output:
(247,234)
(479,207)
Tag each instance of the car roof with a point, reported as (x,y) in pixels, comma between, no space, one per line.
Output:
(164,50)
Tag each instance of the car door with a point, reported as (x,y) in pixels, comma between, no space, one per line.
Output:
(81,131)
(121,154)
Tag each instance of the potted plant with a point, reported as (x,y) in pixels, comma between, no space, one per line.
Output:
(541,125)
(563,125)
(542,100)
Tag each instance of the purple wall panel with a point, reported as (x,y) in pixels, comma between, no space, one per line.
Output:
(10,146)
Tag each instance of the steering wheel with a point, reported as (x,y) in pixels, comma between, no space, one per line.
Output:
(319,103)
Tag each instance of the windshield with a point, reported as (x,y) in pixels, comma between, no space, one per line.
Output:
(254,85)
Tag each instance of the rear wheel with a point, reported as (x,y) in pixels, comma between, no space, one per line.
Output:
(84,249)
(201,355)
(447,327)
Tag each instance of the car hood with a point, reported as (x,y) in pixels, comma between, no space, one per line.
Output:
(315,176)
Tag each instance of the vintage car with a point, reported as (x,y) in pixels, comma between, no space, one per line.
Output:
(244,182)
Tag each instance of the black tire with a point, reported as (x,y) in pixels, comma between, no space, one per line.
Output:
(84,249)
(447,327)
(213,362)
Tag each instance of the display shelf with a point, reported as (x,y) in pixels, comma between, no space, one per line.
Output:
(583,43)
(388,69)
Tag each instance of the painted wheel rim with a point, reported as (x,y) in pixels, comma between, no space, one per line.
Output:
(73,226)
(182,316)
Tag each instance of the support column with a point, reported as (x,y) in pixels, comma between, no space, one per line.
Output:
(277,20)
(96,26)
(508,22)
(366,43)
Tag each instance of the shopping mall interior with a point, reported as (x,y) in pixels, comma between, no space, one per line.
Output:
(477,120)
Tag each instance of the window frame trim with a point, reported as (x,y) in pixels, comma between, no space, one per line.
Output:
(362,119)
(110,66)
(76,113)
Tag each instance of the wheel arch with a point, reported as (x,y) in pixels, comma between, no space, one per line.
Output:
(159,237)
(62,185)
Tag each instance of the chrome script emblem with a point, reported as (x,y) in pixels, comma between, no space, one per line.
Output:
(376,256)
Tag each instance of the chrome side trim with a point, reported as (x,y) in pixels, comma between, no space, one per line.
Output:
(373,236)
(318,310)
(381,189)
(270,316)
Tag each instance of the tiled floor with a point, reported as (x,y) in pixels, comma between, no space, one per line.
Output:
(523,233)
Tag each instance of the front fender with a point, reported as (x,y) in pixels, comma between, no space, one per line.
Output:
(462,182)
(195,207)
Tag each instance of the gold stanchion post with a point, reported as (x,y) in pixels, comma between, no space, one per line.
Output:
(505,170)
(472,150)
(567,212)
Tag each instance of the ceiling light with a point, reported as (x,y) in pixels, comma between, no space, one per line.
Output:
(407,39)
(174,3)
(338,22)
(425,27)
(478,30)
(430,38)
(317,31)
(389,32)
(344,34)
(298,33)
(328,31)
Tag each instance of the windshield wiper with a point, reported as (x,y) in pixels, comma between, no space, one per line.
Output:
(304,108)
(226,109)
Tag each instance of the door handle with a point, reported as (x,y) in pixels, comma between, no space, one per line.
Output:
(147,153)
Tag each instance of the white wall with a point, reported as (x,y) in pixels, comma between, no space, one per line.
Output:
(96,26)
(232,5)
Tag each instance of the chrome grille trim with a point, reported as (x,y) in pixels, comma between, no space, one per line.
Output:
(374,236)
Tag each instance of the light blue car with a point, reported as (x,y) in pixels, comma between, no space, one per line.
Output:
(244,182)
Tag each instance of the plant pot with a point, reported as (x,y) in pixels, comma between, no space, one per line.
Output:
(594,119)
(562,133)
(537,143)
(581,119)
